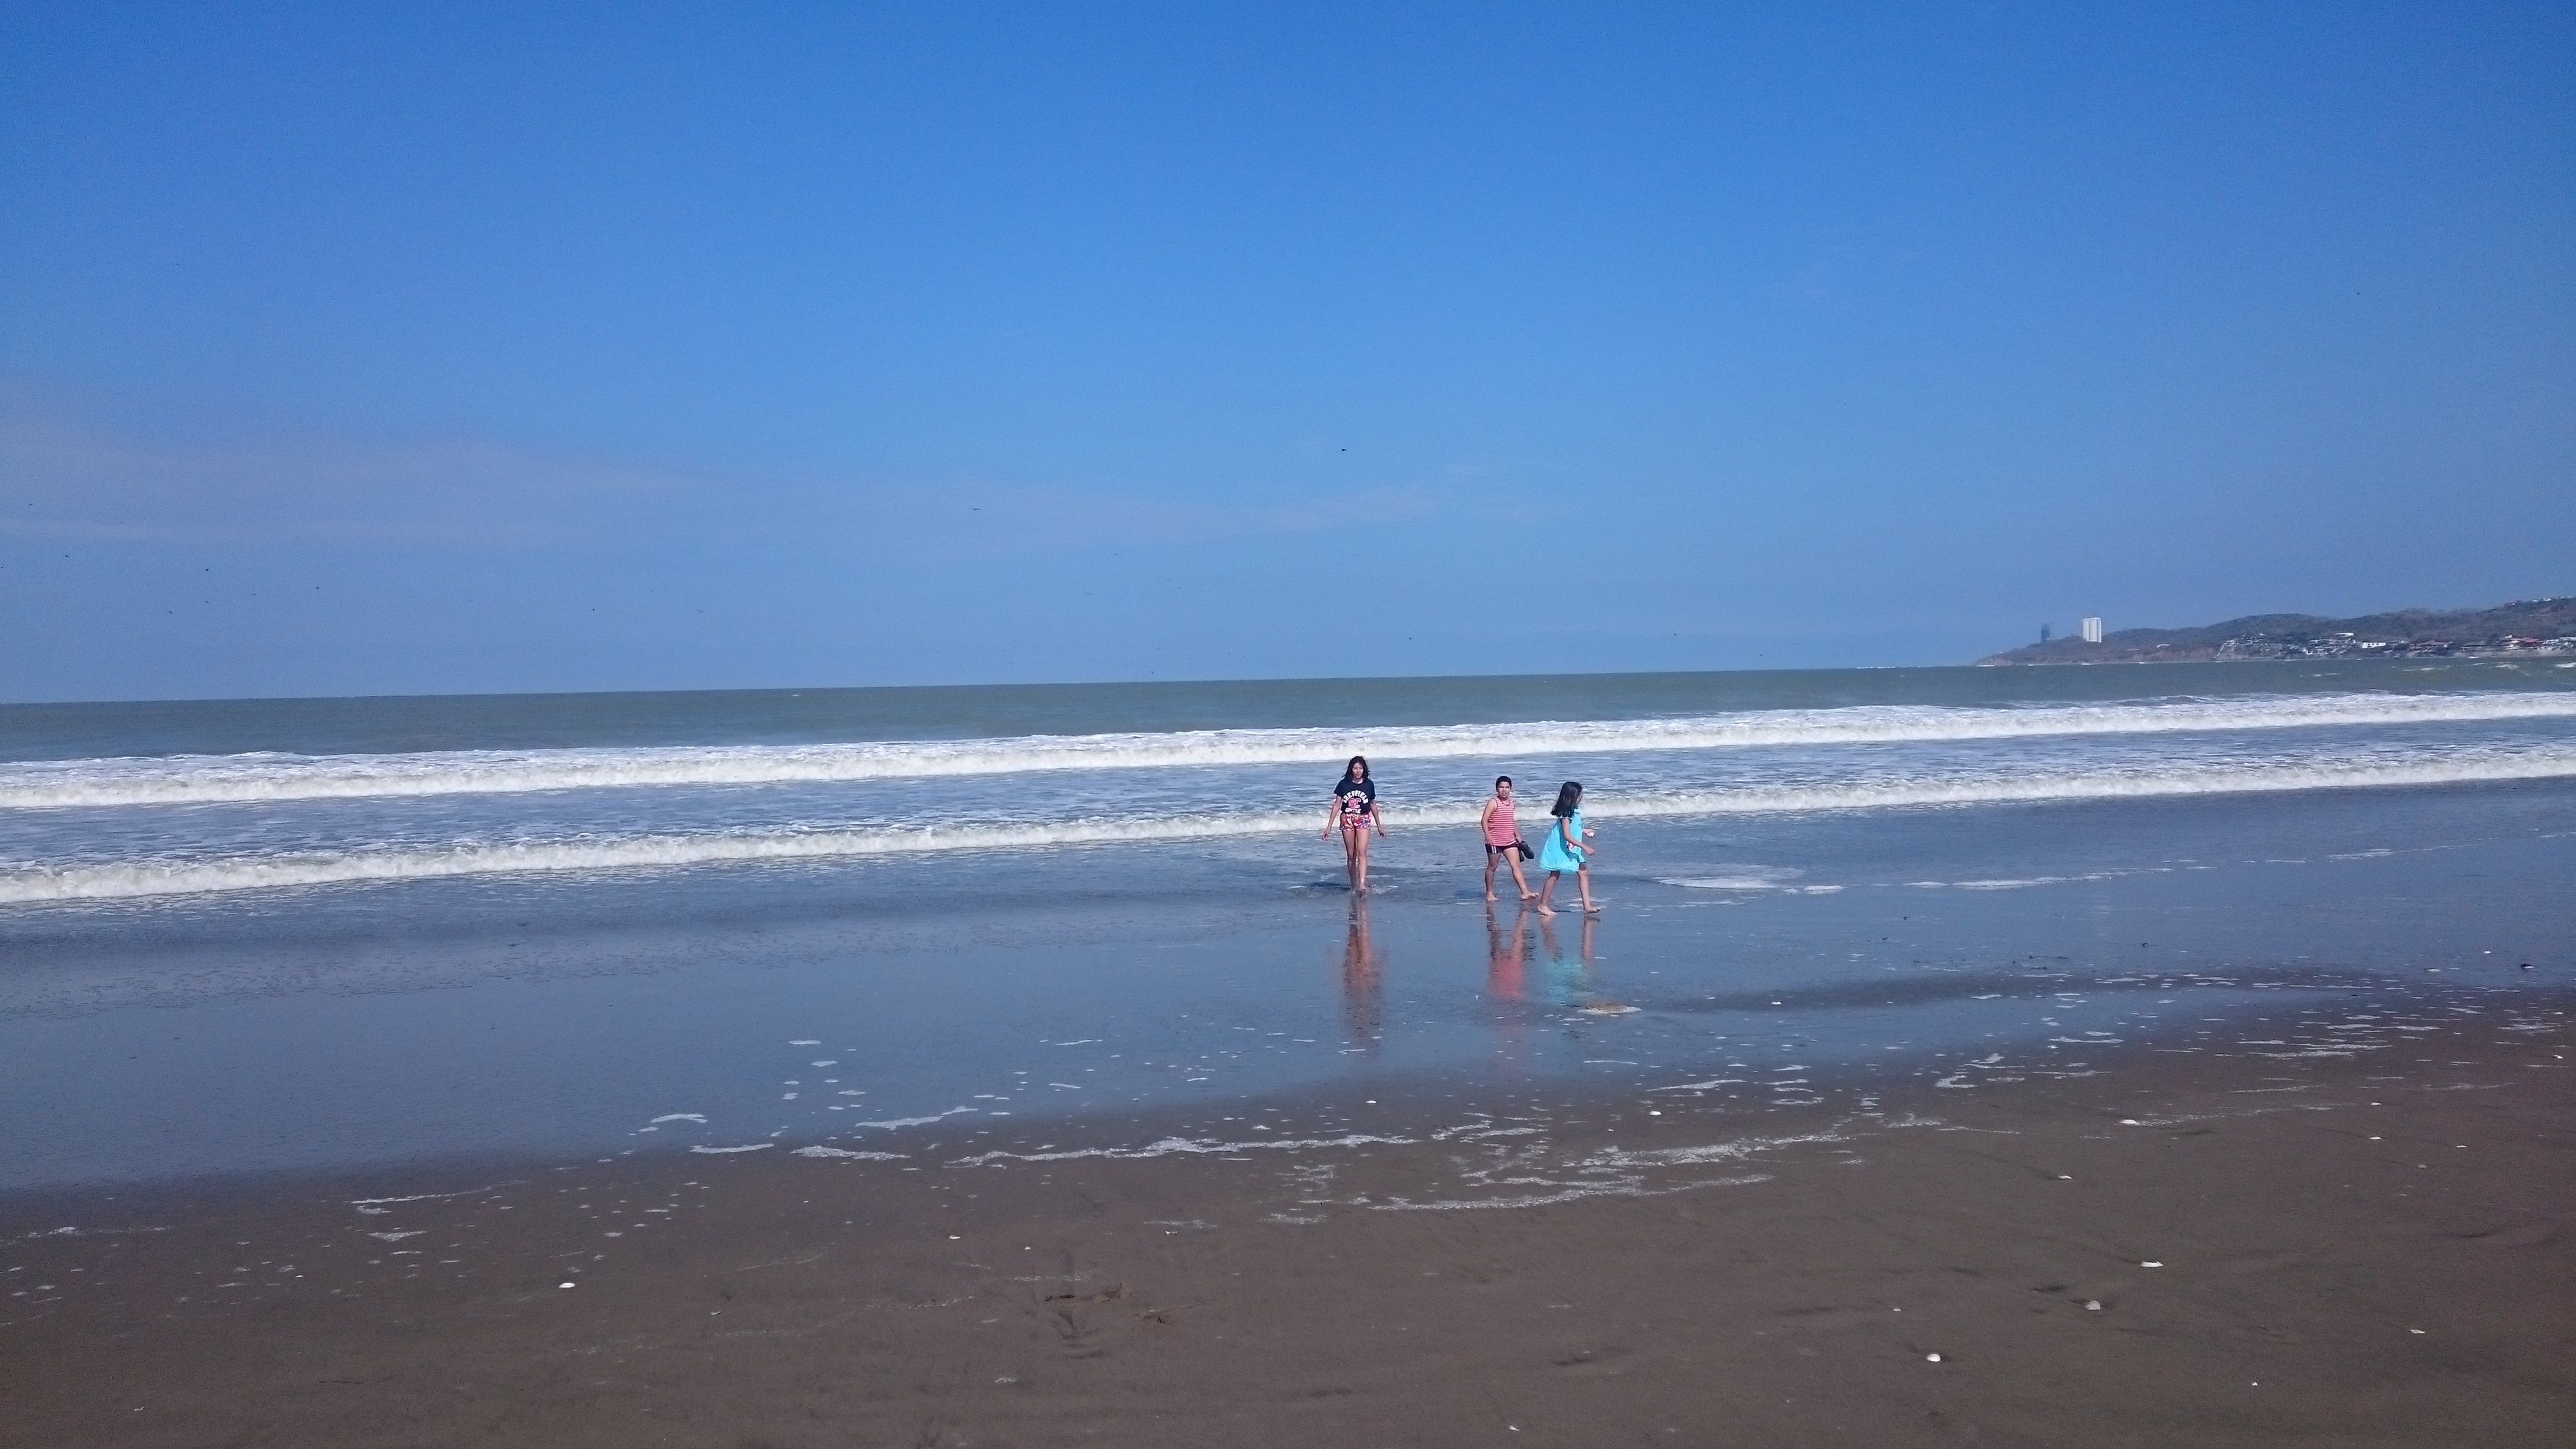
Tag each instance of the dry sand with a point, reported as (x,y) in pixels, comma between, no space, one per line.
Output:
(2286,1247)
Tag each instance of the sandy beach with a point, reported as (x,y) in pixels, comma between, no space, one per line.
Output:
(2320,1239)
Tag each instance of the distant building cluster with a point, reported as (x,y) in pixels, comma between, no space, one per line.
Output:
(2352,646)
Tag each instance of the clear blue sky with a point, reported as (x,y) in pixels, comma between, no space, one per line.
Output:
(368,349)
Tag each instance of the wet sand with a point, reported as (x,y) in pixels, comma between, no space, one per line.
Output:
(2290,1244)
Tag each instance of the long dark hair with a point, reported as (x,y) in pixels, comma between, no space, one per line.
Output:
(1568,796)
(1358,764)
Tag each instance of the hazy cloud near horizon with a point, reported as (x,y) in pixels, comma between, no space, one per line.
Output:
(71,482)
(591,572)
(91,485)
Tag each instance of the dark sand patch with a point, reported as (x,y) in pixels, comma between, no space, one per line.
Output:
(2331,1272)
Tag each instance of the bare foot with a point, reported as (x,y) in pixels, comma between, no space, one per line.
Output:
(1544,911)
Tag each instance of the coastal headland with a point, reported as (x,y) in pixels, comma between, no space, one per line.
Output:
(2539,627)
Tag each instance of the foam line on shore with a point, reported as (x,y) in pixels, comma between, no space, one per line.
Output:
(1574,1193)
(1184,1146)
(216,779)
(165,876)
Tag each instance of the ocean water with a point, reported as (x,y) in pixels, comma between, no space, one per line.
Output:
(254,936)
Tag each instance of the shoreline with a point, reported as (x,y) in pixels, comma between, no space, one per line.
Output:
(1576,1272)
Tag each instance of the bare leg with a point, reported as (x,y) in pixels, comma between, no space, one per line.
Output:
(1352,844)
(1514,857)
(1546,888)
(1583,882)
(1359,884)
(1489,872)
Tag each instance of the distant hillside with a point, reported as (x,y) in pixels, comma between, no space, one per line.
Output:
(2538,626)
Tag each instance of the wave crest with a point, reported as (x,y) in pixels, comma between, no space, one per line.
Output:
(215,779)
(162,877)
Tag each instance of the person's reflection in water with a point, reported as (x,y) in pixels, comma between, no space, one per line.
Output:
(1506,955)
(1568,982)
(1359,979)
(1506,976)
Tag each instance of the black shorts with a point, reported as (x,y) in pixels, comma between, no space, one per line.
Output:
(1492,850)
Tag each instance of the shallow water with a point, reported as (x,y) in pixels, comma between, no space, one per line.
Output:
(913,1004)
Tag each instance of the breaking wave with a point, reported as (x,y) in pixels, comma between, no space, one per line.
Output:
(209,779)
(180,876)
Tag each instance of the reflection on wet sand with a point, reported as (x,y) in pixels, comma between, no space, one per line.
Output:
(1360,1005)
(1506,955)
(1567,982)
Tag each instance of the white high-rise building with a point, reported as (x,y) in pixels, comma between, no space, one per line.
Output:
(2093,629)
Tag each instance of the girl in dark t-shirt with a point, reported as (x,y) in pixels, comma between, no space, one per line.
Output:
(1354,813)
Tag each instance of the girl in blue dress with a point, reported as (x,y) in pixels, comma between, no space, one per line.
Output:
(1567,847)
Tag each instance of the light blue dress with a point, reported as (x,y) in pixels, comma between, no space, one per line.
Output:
(1552,854)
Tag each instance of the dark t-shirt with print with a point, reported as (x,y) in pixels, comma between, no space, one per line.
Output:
(1357,801)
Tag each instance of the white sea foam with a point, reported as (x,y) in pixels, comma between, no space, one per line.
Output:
(892,1123)
(1742,882)
(1574,1193)
(204,779)
(1183,1147)
(178,876)
(363,1203)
